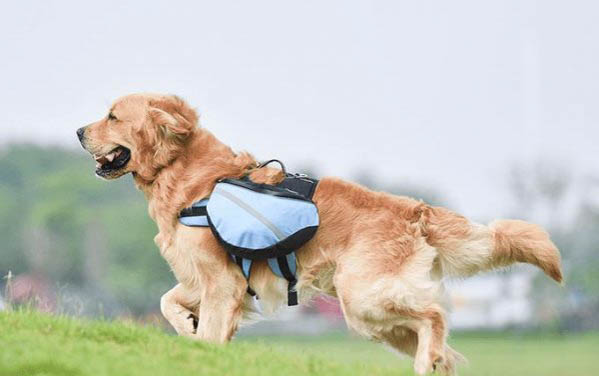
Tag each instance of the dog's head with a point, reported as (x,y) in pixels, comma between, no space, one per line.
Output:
(141,133)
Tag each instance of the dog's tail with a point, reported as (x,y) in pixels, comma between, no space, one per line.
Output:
(466,248)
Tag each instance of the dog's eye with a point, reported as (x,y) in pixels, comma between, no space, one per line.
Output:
(111,116)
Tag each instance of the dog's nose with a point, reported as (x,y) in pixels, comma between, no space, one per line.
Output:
(80,133)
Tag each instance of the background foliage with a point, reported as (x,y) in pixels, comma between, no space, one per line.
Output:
(91,239)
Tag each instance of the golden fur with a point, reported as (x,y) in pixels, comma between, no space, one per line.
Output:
(382,255)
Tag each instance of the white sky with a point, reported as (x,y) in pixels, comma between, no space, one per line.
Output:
(444,93)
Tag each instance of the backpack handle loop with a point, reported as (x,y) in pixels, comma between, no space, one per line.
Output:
(264,164)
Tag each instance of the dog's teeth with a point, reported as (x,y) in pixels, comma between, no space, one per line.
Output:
(98,165)
(101,160)
(110,157)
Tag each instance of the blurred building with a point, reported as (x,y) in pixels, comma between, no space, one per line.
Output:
(491,301)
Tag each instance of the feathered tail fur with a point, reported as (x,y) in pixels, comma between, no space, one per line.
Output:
(466,248)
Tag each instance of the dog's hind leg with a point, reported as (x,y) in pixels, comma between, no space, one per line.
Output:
(430,327)
(397,304)
(377,320)
(405,340)
(421,335)
(402,339)
(175,307)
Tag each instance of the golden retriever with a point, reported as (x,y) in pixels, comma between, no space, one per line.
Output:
(382,256)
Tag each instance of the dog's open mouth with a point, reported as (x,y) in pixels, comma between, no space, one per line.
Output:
(109,163)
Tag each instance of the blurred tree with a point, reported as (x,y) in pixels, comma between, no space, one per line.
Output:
(92,239)
(546,192)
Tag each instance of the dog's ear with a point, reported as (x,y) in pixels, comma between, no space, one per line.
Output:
(173,116)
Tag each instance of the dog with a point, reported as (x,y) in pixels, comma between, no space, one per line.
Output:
(383,256)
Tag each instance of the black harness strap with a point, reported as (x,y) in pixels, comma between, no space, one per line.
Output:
(239,261)
(301,184)
(194,211)
(290,277)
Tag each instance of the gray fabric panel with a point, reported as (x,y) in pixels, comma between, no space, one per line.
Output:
(278,233)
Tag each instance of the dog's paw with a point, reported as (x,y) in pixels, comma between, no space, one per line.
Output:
(185,325)
(421,368)
(446,364)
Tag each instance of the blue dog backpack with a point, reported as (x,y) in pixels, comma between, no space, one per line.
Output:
(260,222)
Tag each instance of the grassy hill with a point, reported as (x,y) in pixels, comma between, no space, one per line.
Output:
(34,344)
(37,344)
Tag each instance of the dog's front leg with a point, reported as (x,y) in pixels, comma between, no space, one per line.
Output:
(221,310)
(174,306)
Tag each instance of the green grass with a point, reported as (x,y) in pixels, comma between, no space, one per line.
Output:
(42,345)
(489,354)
